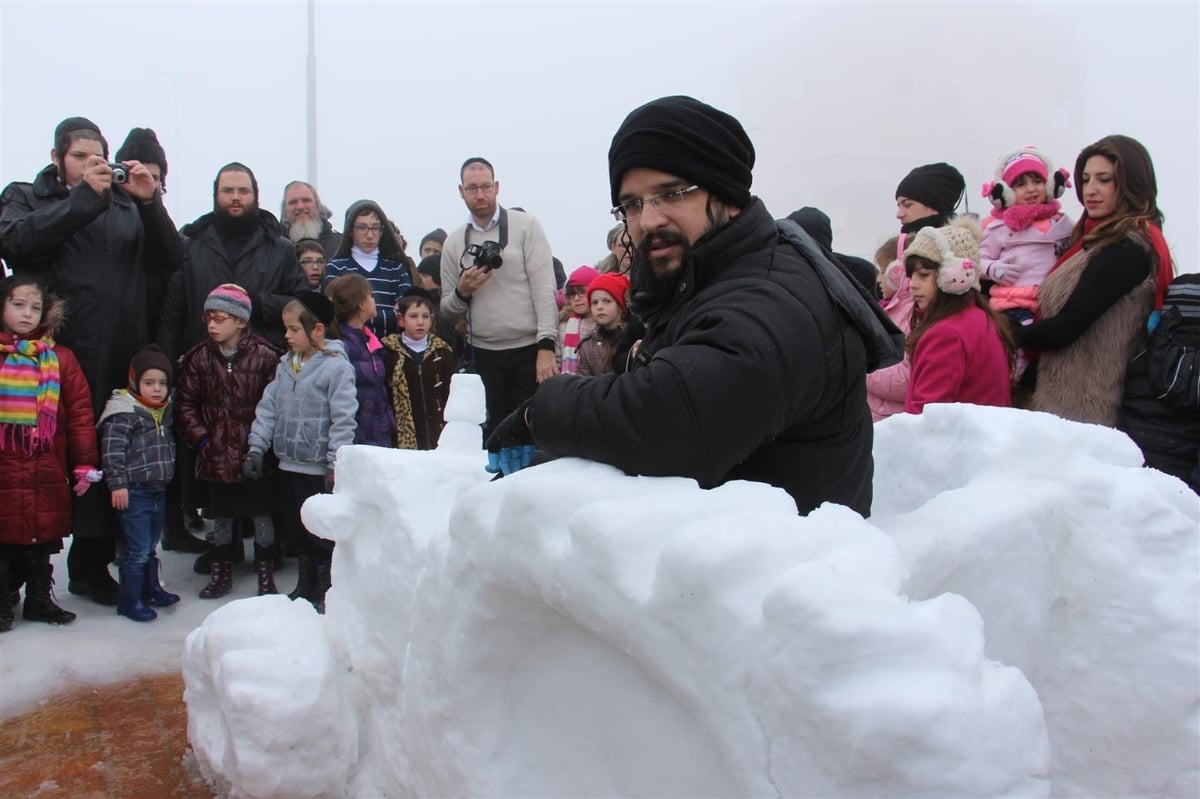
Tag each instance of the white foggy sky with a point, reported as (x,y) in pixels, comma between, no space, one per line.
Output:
(840,99)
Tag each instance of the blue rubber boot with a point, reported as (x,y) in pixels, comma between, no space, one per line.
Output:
(129,601)
(152,591)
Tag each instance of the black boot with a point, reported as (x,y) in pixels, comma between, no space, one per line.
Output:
(152,591)
(306,582)
(264,566)
(6,609)
(39,603)
(87,570)
(176,537)
(324,582)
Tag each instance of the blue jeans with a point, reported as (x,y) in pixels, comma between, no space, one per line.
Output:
(142,523)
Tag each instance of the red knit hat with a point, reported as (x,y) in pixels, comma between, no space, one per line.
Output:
(615,284)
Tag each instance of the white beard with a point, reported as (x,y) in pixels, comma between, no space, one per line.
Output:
(305,230)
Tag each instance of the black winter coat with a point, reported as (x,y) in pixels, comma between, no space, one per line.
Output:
(267,269)
(95,255)
(747,372)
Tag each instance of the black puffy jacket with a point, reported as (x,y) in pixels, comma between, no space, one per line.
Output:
(95,255)
(267,269)
(749,372)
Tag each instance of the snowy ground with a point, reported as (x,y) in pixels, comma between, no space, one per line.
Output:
(37,660)
(1020,617)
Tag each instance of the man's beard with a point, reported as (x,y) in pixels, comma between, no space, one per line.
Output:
(305,229)
(658,277)
(242,225)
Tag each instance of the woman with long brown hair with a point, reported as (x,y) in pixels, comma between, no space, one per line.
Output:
(1098,296)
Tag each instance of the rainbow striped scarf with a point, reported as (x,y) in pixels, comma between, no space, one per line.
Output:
(29,393)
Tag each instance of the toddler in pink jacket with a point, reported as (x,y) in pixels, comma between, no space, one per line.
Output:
(1026,231)
(887,387)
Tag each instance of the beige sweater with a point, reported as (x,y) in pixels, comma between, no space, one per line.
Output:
(516,307)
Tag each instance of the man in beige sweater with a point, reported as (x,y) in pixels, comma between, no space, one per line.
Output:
(508,304)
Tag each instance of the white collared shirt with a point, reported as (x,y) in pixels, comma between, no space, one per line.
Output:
(492,224)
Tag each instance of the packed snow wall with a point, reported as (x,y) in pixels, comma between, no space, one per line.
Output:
(1018,618)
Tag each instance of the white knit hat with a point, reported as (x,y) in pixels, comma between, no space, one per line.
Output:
(955,249)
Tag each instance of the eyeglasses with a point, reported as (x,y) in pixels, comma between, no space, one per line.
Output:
(306,262)
(216,316)
(575,291)
(475,188)
(361,228)
(633,208)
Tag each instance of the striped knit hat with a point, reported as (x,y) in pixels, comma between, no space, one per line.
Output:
(229,298)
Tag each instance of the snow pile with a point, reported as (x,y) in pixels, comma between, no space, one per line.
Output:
(1018,619)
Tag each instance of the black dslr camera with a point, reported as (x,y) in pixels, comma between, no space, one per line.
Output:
(487,255)
(120,172)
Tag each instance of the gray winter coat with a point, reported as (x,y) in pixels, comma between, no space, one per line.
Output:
(133,447)
(306,417)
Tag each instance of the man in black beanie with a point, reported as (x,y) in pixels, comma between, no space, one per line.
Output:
(928,196)
(750,367)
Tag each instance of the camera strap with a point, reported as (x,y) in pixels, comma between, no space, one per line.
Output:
(503,242)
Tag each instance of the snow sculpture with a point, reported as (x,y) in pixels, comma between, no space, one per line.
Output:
(573,631)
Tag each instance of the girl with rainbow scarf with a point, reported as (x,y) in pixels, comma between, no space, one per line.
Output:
(47,447)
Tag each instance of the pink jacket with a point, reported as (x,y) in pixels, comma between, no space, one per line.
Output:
(886,388)
(960,359)
(1021,257)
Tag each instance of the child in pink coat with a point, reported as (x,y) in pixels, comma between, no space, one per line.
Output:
(961,350)
(1026,231)
(887,387)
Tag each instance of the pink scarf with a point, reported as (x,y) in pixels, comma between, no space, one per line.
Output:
(1020,217)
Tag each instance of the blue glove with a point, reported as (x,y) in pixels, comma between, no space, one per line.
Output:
(510,446)
(510,459)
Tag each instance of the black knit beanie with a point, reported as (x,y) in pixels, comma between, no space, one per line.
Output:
(816,224)
(940,186)
(142,145)
(688,138)
(149,357)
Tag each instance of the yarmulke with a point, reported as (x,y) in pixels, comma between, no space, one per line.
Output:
(318,305)
(229,298)
(685,137)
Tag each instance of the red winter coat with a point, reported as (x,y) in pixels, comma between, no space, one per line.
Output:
(35,489)
(960,359)
(215,402)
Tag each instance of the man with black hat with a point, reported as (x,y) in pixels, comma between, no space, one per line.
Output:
(95,238)
(756,349)
(928,196)
(237,242)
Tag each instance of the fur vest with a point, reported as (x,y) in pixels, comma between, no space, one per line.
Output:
(1085,381)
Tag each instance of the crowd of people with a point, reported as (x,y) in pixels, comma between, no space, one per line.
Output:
(150,374)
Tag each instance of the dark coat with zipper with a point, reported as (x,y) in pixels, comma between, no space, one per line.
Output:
(376,417)
(748,370)
(95,254)
(215,402)
(419,389)
(267,269)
